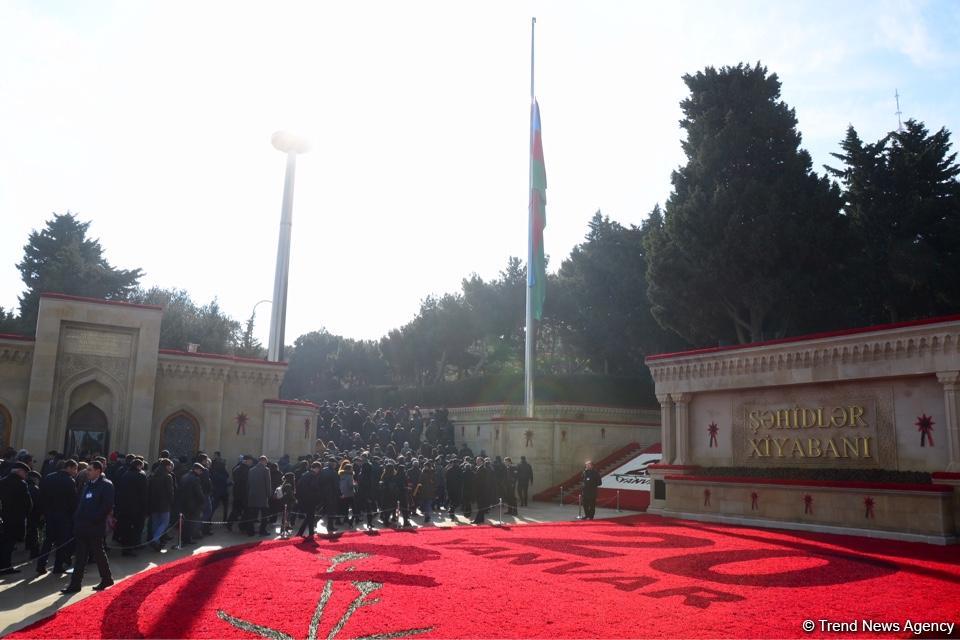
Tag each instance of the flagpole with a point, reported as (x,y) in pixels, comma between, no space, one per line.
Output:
(528,361)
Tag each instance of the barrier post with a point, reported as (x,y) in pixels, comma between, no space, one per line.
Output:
(580,506)
(180,534)
(500,505)
(285,525)
(561,495)
(618,499)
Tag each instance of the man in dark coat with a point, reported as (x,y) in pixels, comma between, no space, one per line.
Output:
(330,493)
(241,473)
(58,499)
(15,506)
(365,503)
(191,499)
(160,496)
(259,492)
(591,480)
(509,486)
(524,479)
(131,505)
(468,491)
(484,486)
(453,480)
(308,497)
(89,528)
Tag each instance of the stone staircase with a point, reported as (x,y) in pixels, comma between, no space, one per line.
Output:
(572,485)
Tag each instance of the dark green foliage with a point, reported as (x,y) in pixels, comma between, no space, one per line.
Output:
(62,259)
(184,321)
(325,365)
(903,201)
(504,388)
(602,303)
(751,239)
(8,322)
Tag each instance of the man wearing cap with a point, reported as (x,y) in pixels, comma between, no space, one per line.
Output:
(89,527)
(15,506)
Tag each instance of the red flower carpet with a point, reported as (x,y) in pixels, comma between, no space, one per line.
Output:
(634,577)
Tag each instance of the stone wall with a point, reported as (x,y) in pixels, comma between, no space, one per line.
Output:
(877,398)
(558,441)
(16,359)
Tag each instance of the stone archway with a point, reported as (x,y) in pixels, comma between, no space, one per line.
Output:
(88,433)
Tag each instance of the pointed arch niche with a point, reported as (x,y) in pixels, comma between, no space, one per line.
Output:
(180,435)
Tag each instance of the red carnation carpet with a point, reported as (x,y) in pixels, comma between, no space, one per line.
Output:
(634,577)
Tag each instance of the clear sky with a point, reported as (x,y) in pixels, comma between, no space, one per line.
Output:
(153,120)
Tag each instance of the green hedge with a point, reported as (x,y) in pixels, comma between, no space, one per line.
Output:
(508,389)
(847,475)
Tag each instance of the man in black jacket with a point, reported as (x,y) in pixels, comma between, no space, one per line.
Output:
(591,480)
(308,497)
(131,490)
(160,494)
(330,493)
(58,498)
(15,506)
(89,528)
(524,479)
(240,474)
(191,498)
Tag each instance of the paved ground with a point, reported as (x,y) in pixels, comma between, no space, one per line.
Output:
(27,597)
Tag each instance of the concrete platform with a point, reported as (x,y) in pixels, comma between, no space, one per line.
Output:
(27,597)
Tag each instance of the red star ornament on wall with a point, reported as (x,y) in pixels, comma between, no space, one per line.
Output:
(754,501)
(306,428)
(868,507)
(925,426)
(528,437)
(241,423)
(712,430)
(808,504)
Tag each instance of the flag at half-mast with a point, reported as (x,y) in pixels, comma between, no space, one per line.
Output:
(537,270)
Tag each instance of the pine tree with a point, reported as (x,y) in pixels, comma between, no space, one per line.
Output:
(62,259)
(903,201)
(751,241)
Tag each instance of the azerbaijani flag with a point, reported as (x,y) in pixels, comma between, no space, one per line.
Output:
(537,269)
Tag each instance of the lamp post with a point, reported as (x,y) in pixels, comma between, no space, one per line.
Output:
(291,145)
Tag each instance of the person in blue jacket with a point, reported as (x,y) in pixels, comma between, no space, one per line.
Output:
(90,527)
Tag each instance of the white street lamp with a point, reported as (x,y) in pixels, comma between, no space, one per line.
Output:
(292,145)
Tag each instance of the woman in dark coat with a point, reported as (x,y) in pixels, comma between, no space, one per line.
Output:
(485,489)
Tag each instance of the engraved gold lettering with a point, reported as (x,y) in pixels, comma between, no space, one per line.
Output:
(838,418)
(831,447)
(856,417)
(797,450)
(813,452)
(851,449)
(866,446)
(778,443)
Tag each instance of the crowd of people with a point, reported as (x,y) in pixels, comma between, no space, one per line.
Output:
(367,470)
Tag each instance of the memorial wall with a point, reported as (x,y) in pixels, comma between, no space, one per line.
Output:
(880,398)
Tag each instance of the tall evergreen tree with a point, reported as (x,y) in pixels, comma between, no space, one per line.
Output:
(752,241)
(62,259)
(902,197)
(607,316)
